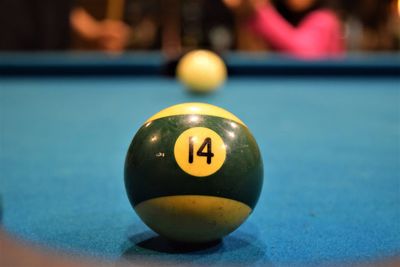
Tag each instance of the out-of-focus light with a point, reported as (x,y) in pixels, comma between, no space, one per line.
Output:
(398,7)
(194,118)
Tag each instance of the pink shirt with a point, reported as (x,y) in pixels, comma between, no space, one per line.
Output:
(318,35)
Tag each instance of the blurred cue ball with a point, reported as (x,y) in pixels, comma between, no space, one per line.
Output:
(201,71)
(193,172)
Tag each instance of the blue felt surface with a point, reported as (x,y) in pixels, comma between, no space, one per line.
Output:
(331,150)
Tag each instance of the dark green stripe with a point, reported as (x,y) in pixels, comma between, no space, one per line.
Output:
(151,170)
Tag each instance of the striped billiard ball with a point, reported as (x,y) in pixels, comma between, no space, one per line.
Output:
(193,172)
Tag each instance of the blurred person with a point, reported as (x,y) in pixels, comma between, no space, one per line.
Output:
(106,35)
(302,28)
(373,25)
(32,25)
(135,24)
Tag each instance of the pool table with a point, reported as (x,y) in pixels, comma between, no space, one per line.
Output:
(328,130)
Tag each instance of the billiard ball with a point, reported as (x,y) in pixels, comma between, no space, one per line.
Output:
(201,71)
(193,172)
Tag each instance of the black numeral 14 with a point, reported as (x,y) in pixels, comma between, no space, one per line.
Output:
(206,145)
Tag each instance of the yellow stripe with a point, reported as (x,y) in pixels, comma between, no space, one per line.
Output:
(195,109)
(193,218)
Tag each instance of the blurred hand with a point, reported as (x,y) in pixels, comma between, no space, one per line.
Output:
(106,35)
(112,36)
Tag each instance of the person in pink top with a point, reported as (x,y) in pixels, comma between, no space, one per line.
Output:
(302,28)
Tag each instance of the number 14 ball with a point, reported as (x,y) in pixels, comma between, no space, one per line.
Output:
(193,172)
